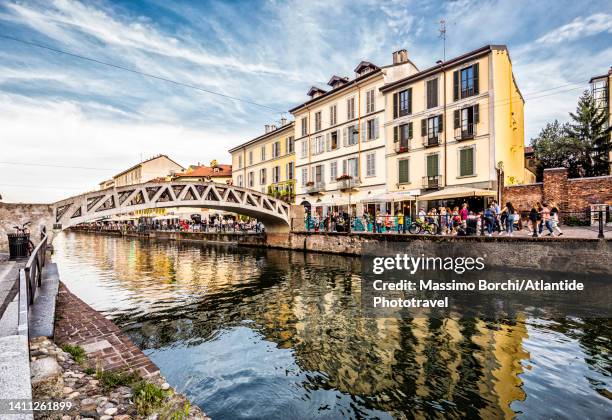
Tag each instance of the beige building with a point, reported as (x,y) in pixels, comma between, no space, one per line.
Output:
(601,87)
(216,172)
(454,132)
(267,162)
(109,183)
(340,138)
(160,166)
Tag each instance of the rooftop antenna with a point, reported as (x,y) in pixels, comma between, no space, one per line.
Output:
(442,35)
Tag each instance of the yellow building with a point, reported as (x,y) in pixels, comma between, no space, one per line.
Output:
(160,166)
(601,87)
(267,162)
(454,131)
(340,140)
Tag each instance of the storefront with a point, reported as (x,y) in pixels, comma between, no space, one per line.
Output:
(477,199)
(391,203)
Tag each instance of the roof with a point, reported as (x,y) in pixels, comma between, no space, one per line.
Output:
(314,90)
(434,69)
(272,133)
(365,64)
(206,171)
(145,161)
(337,79)
(528,150)
(603,76)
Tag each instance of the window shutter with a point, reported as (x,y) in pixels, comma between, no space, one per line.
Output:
(410,130)
(395,105)
(456,85)
(363,132)
(476,112)
(462,162)
(440,126)
(395,134)
(470,161)
(476,79)
(432,165)
(410,101)
(344,167)
(457,120)
(327,142)
(403,171)
(424,127)
(345,136)
(376,128)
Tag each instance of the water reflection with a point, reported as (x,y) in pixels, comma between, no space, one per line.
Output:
(264,333)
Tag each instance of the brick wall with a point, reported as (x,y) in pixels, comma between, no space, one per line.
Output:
(12,214)
(570,195)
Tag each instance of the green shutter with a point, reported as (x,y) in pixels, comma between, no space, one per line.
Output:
(424,127)
(403,171)
(456,85)
(432,165)
(476,79)
(457,119)
(440,125)
(410,100)
(410,130)
(395,105)
(466,162)
(395,134)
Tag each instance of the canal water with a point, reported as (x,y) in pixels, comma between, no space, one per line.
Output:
(254,333)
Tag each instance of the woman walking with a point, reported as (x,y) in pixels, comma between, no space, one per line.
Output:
(554,217)
(510,217)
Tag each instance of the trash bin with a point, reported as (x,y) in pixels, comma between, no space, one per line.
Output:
(18,245)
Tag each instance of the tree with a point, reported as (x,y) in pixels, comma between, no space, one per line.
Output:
(554,149)
(589,129)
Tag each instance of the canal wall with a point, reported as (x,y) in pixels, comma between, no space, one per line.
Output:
(12,214)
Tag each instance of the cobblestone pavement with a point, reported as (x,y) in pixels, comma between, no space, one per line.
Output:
(77,323)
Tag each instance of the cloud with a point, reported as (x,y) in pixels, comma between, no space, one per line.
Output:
(580,27)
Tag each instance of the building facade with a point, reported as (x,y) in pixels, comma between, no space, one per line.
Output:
(160,166)
(216,172)
(340,139)
(454,133)
(601,88)
(267,162)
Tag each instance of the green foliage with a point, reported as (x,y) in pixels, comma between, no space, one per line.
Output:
(109,379)
(77,352)
(90,371)
(148,397)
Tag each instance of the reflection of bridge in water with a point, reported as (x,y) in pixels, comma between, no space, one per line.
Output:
(273,213)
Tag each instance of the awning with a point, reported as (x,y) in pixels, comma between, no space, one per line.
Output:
(395,196)
(455,192)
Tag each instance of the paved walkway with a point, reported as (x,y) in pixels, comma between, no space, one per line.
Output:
(102,340)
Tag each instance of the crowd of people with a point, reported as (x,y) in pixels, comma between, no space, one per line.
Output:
(461,221)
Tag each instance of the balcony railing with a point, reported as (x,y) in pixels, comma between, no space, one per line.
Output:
(285,190)
(429,141)
(432,182)
(466,132)
(315,187)
(401,146)
(348,183)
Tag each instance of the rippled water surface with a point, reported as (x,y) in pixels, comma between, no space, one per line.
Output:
(250,333)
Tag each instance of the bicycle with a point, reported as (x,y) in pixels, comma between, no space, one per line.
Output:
(23,230)
(421,226)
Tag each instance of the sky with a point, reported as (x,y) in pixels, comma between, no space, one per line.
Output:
(67,123)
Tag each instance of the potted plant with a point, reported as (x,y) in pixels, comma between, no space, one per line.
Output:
(344,177)
(310,184)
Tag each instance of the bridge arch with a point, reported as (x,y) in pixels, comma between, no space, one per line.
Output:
(273,213)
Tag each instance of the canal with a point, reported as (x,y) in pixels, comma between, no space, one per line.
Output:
(256,333)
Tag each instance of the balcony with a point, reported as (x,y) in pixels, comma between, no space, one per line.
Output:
(284,190)
(432,182)
(347,183)
(429,141)
(314,188)
(401,146)
(465,132)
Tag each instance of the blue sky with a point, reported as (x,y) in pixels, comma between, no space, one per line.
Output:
(60,110)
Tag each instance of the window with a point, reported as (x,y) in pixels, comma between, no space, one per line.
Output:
(239,180)
(430,127)
(432,165)
(402,135)
(333,140)
(351,135)
(240,162)
(432,93)
(263,153)
(262,176)
(276,149)
(318,174)
(319,145)
(304,126)
(290,170)
(371,164)
(289,144)
(402,103)
(304,153)
(332,115)
(465,82)
(317,121)
(350,167)
(304,176)
(371,129)
(250,157)
(466,161)
(370,104)
(403,171)
(276,174)
(251,179)
(350,109)
(333,171)
(465,121)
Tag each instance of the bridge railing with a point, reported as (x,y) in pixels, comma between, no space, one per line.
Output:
(30,278)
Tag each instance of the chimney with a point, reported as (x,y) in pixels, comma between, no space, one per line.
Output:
(267,127)
(272,127)
(400,56)
(283,121)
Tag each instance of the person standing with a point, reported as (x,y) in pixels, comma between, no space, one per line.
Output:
(554,217)
(401,227)
(464,213)
(546,222)
(534,214)
(510,213)
(379,222)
